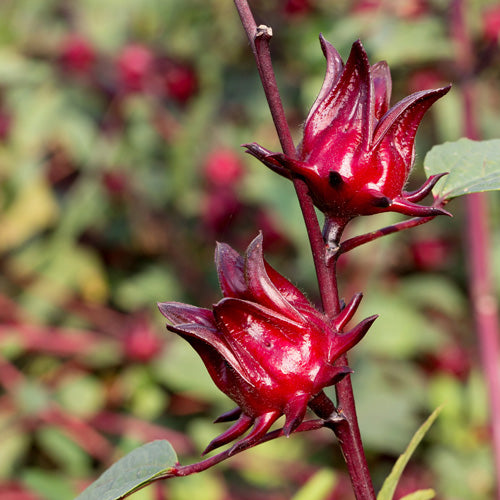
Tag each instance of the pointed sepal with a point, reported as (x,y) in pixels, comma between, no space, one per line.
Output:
(347,313)
(236,430)
(295,411)
(261,426)
(424,190)
(403,206)
(342,343)
(230,271)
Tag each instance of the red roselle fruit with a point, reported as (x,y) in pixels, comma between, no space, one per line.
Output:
(223,168)
(140,342)
(491,23)
(135,64)
(264,344)
(356,153)
(179,80)
(297,7)
(77,55)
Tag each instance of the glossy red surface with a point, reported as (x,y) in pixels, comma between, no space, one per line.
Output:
(264,344)
(356,153)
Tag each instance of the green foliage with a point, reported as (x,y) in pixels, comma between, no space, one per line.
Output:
(318,487)
(391,482)
(473,166)
(132,472)
(106,209)
(420,495)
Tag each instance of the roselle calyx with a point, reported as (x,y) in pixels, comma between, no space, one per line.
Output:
(356,154)
(264,345)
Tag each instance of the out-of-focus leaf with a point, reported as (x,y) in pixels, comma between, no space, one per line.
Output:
(264,463)
(394,41)
(147,399)
(33,210)
(134,470)
(14,68)
(400,331)
(391,481)
(60,267)
(90,395)
(464,407)
(48,485)
(64,451)
(149,403)
(435,292)
(388,412)
(146,287)
(181,369)
(208,483)
(32,397)
(318,487)
(473,166)
(463,473)
(15,443)
(84,209)
(447,113)
(420,495)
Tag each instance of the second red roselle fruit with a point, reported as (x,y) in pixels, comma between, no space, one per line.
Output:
(356,153)
(264,344)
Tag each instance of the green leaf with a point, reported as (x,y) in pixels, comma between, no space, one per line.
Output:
(391,481)
(420,495)
(48,485)
(473,166)
(133,471)
(318,487)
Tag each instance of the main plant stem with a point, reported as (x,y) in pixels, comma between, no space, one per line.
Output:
(348,430)
(478,238)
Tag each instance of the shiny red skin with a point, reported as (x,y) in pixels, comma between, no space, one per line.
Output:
(356,153)
(264,344)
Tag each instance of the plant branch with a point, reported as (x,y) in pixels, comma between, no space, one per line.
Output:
(259,38)
(478,239)
(357,241)
(348,434)
(186,470)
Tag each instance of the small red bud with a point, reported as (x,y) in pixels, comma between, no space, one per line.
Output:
(297,8)
(223,168)
(134,67)
(77,55)
(491,23)
(141,343)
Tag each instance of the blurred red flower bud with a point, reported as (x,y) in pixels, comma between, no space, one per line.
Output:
(77,55)
(223,167)
(431,254)
(297,7)
(141,343)
(178,79)
(134,67)
(491,23)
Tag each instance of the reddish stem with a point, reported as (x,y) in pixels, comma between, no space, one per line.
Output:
(186,470)
(349,435)
(357,241)
(478,239)
(259,42)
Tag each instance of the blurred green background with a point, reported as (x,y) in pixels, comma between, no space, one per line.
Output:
(120,166)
